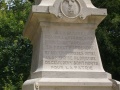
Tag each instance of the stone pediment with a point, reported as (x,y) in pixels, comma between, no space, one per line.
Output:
(69,8)
(63,11)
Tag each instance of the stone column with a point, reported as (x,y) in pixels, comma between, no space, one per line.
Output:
(65,50)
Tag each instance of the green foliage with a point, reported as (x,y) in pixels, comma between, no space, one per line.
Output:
(15,51)
(31,0)
(108,36)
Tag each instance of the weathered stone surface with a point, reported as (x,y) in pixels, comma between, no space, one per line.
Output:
(65,50)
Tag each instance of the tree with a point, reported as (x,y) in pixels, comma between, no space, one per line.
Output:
(31,1)
(15,51)
(108,36)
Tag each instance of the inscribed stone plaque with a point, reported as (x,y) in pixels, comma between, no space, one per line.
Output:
(68,49)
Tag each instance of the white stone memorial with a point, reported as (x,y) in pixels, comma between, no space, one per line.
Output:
(65,50)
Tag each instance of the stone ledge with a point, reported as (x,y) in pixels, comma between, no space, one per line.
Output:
(73,82)
(69,82)
(69,74)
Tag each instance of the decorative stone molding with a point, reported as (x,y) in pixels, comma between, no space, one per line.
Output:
(70,8)
(115,85)
(37,86)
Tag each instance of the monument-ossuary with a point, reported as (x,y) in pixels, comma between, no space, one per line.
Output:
(65,51)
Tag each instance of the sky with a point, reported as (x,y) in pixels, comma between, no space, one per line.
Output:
(10,4)
(9,0)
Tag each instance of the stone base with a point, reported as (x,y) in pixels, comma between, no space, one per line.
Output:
(70,84)
(74,88)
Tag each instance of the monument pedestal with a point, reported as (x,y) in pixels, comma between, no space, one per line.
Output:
(67,84)
(65,50)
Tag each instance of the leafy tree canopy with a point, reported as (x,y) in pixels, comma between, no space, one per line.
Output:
(15,51)
(108,36)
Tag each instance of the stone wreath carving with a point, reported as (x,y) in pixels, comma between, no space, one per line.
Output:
(70,8)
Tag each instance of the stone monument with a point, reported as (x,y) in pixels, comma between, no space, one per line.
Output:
(65,50)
